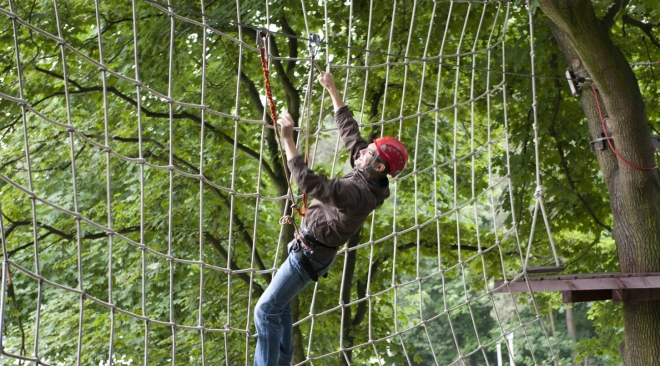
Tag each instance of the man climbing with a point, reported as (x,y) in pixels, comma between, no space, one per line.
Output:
(339,208)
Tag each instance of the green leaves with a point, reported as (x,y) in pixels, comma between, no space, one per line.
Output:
(468,152)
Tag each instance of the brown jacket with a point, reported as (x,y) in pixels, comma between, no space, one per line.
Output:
(340,205)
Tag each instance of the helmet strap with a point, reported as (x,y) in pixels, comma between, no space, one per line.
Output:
(369,168)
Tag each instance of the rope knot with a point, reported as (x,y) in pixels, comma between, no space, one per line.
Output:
(286,220)
(539,193)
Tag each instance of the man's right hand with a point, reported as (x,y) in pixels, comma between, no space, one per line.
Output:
(285,121)
(327,80)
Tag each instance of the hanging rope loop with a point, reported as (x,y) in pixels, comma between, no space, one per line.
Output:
(602,122)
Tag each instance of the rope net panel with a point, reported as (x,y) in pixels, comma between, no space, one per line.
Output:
(142,183)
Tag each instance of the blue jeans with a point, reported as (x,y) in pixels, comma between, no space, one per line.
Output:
(272,315)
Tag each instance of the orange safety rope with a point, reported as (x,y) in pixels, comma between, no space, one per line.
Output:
(273,115)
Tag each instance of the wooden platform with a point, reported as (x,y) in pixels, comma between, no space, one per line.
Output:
(620,287)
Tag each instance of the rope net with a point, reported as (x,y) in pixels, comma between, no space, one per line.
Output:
(142,182)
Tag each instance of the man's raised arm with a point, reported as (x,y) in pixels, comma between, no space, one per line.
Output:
(348,127)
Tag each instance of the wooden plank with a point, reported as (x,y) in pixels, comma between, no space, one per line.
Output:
(569,297)
(584,282)
(545,269)
(593,275)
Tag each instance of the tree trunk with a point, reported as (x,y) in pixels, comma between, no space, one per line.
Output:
(634,193)
(570,327)
(552,322)
(570,324)
(347,284)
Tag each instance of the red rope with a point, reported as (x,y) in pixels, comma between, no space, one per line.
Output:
(273,115)
(602,122)
(269,90)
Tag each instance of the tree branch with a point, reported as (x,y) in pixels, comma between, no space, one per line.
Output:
(62,166)
(37,149)
(148,113)
(11,293)
(613,11)
(109,23)
(293,43)
(596,241)
(54,231)
(645,27)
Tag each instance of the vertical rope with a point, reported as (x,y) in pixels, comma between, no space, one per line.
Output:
(4,276)
(455,170)
(232,199)
(106,131)
(435,163)
(539,188)
(67,102)
(170,198)
(28,164)
(508,169)
(474,197)
(202,134)
(387,77)
(307,109)
(420,291)
(496,233)
(396,181)
(143,254)
(367,292)
(342,317)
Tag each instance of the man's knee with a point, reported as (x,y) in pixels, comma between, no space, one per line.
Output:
(261,313)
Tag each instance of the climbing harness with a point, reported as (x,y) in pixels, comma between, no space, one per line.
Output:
(298,248)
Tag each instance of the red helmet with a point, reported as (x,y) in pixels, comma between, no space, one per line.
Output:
(393,152)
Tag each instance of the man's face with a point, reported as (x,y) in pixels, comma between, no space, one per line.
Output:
(366,155)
